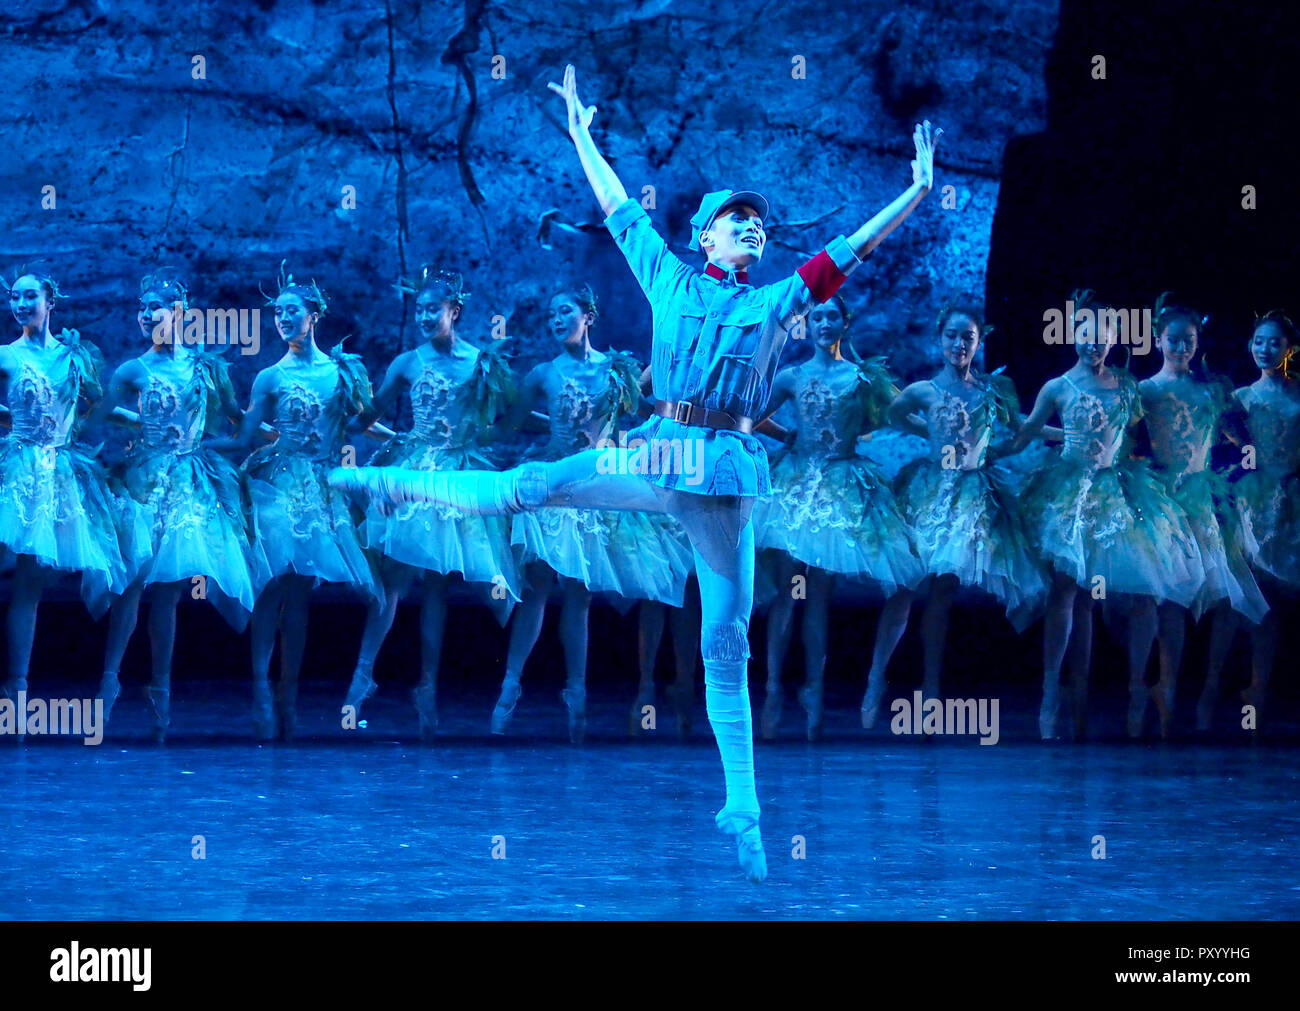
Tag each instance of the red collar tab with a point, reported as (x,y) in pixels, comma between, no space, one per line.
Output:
(717,273)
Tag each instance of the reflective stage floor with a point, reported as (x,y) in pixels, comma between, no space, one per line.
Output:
(372,824)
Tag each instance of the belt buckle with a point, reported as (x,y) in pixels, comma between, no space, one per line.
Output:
(682,412)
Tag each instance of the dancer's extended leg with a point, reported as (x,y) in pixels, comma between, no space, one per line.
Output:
(723,541)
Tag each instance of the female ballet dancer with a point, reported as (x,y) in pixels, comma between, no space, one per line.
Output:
(1269,490)
(192,533)
(1184,417)
(586,392)
(458,391)
(831,512)
(303,527)
(714,353)
(1102,521)
(56,509)
(962,508)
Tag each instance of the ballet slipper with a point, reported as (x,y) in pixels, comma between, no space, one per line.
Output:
(644,697)
(511,692)
(810,696)
(263,712)
(575,700)
(1047,712)
(1163,697)
(682,694)
(875,694)
(772,712)
(109,690)
(160,702)
(743,827)
(425,697)
(362,687)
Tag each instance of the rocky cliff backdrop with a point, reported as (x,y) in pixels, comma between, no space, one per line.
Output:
(358,141)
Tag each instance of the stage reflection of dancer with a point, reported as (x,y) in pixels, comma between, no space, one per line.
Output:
(1183,420)
(585,393)
(831,513)
(191,530)
(303,527)
(714,354)
(1269,490)
(56,509)
(1101,521)
(962,508)
(458,391)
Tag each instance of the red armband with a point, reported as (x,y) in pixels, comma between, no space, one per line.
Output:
(822,276)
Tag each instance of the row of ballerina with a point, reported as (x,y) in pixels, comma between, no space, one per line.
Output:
(1130,508)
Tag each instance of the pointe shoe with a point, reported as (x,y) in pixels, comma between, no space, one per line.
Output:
(682,695)
(810,696)
(634,716)
(871,702)
(1137,711)
(1047,712)
(362,687)
(1205,706)
(1163,697)
(160,702)
(263,712)
(109,690)
(743,827)
(286,704)
(772,712)
(425,698)
(575,700)
(511,692)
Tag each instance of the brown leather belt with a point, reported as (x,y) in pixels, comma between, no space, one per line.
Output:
(686,413)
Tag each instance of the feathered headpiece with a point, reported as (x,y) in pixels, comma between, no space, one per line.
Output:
(311,295)
(451,285)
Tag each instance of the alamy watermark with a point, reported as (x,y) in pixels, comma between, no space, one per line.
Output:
(82,718)
(652,456)
(75,964)
(1131,326)
(945,717)
(220,327)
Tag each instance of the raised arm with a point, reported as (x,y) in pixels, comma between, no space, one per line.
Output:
(873,233)
(604,183)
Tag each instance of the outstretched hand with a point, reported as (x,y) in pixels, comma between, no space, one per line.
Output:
(579,115)
(923,166)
